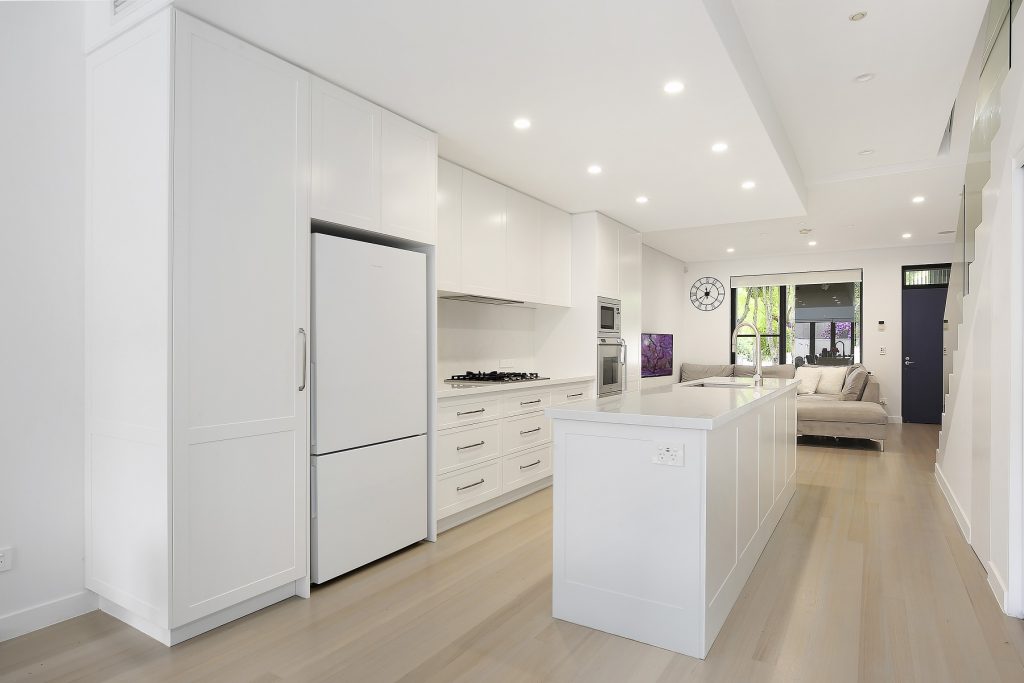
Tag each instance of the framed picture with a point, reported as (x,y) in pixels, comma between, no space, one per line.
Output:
(655,355)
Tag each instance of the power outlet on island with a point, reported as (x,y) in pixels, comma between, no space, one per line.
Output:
(6,559)
(669,454)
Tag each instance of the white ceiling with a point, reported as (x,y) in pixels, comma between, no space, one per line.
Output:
(773,79)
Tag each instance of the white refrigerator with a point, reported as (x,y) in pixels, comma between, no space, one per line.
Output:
(368,365)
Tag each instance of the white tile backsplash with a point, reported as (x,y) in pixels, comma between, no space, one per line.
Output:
(472,336)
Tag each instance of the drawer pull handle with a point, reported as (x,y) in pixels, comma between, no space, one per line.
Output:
(470,412)
(468,486)
(529,431)
(526,403)
(523,467)
(575,395)
(472,445)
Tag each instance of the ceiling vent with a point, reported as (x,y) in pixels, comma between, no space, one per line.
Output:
(121,7)
(473,298)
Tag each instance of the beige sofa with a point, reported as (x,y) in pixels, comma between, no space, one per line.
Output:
(816,414)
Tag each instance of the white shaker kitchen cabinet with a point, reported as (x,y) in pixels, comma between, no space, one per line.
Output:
(522,240)
(408,171)
(484,269)
(630,285)
(607,257)
(197,253)
(449,226)
(346,165)
(556,256)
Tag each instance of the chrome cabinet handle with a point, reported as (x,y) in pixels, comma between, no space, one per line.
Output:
(470,412)
(529,431)
(523,467)
(526,403)
(472,445)
(302,331)
(468,486)
(574,395)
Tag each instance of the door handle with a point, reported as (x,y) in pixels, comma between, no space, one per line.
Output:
(468,486)
(302,331)
(907,361)
(529,431)
(472,445)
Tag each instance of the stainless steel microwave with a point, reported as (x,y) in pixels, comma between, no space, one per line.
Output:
(609,316)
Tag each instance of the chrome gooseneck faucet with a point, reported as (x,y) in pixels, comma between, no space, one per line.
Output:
(758,381)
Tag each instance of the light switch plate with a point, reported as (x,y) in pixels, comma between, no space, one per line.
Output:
(6,559)
(881,351)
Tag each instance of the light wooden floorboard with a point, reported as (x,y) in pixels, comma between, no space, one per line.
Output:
(867,578)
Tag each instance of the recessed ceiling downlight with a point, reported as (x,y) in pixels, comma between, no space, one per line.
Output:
(641,199)
(906,235)
(919,199)
(719,147)
(674,87)
(594,169)
(864,78)
(857,16)
(748,185)
(866,152)
(522,123)
(812,243)
(730,250)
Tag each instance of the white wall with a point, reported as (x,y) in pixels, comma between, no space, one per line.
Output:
(472,336)
(665,299)
(42,122)
(987,368)
(707,335)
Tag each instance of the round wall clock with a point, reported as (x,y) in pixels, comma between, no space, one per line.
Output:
(707,294)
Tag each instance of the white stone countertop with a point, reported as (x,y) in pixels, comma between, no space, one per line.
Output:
(450,391)
(683,406)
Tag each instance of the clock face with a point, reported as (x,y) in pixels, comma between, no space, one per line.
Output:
(707,294)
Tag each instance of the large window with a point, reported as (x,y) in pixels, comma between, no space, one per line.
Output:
(817,323)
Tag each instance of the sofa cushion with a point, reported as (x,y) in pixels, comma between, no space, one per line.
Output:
(781,371)
(832,379)
(691,371)
(861,412)
(808,377)
(853,389)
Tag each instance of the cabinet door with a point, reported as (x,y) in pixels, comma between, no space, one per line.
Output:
(240,449)
(483,236)
(346,158)
(630,254)
(607,257)
(556,256)
(522,240)
(408,180)
(449,226)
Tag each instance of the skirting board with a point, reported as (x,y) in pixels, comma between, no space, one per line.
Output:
(995,582)
(954,504)
(40,616)
(183,633)
(452,521)
(896,419)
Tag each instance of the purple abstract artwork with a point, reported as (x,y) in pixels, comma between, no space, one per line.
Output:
(655,355)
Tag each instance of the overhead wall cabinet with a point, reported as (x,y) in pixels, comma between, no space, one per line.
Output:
(497,242)
(371,169)
(197,256)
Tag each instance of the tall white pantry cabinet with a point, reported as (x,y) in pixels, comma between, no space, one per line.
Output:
(197,257)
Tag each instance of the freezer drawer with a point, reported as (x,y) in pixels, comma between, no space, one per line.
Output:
(367,502)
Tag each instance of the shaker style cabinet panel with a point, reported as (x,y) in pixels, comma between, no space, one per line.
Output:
(408,172)
(449,226)
(522,240)
(345,174)
(607,257)
(484,268)
(240,280)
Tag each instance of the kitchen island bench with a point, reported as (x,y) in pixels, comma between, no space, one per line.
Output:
(663,502)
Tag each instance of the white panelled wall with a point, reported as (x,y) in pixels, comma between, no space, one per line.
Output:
(707,333)
(42,197)
(980,465)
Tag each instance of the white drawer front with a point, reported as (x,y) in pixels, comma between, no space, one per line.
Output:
(522,468)
(466,488)
(457,448)
(467,413)
(525,403)
(525,431)
(570,394)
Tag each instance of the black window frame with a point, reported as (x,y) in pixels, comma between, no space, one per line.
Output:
(783,302)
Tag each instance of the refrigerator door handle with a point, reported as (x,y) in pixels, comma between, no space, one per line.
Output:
(302,331)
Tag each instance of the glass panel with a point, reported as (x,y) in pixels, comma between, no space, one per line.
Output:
(760,306)
(610,370)
(745,350)
(827,323)
(920,277)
